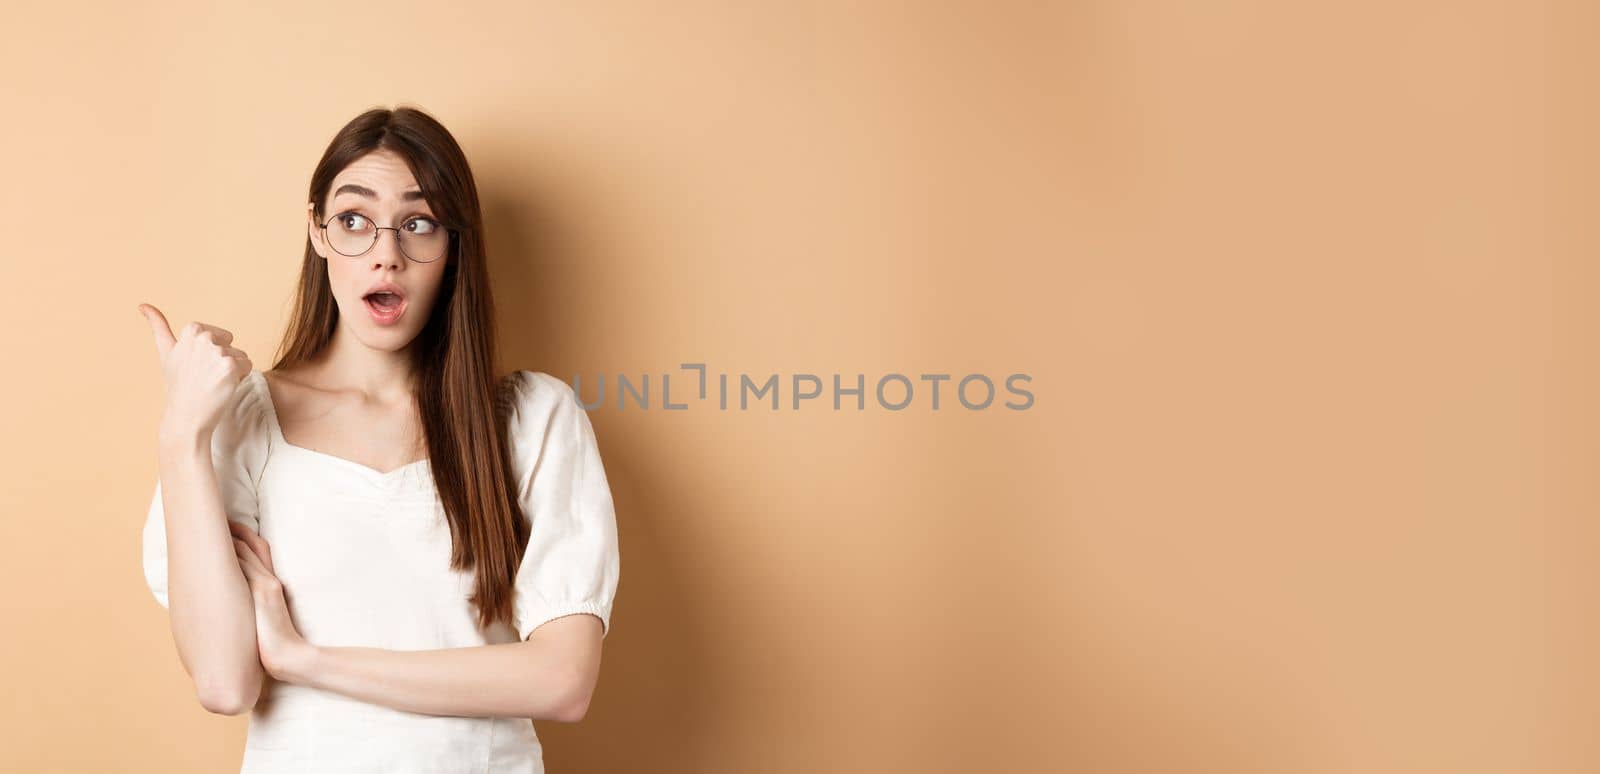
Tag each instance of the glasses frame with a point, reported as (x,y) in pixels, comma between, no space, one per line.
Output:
(377,234)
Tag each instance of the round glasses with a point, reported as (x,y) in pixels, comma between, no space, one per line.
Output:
(422,239)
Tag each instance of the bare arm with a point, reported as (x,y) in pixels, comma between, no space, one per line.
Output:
(209,604)
(551,676)
(210,609)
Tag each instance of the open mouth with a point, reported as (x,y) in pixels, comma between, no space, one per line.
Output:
(385,307)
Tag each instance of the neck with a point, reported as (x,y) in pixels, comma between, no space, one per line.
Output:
(347,363)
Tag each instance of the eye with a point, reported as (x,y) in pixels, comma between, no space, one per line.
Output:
(353,221)
(421,226)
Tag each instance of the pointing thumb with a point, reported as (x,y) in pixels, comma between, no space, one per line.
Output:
(159,326)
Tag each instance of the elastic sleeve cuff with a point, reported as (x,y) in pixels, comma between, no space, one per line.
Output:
(531,619)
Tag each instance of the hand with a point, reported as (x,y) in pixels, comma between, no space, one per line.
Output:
(201,370)
(285,655)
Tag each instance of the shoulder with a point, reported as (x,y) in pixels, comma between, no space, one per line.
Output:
(541,413)
(243,431)
(529,395)
(250,407)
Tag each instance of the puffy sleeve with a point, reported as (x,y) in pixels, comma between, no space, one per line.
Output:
(238,453)
(571,564)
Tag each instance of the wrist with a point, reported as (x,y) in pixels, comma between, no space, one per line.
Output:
(304,664)
(180,439)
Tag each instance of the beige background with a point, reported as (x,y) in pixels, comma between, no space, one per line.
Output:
(1304,290)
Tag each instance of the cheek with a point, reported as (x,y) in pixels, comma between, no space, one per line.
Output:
(430,291)
(339,282)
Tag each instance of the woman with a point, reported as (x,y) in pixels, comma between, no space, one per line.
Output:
(391,557)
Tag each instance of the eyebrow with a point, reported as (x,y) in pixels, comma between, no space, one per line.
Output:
(361,190)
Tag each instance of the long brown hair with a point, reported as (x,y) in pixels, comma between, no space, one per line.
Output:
(460,397)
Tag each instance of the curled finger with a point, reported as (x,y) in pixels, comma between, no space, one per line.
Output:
(255,541)
(249,562)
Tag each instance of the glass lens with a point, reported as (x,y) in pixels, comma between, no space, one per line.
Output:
(422,239)
(351,233)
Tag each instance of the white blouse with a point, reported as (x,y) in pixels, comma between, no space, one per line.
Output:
(364,559)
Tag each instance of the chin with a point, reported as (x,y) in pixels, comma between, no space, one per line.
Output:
(386,341)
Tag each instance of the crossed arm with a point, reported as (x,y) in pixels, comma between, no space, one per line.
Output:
(550,676)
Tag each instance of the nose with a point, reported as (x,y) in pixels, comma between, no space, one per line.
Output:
(386,253)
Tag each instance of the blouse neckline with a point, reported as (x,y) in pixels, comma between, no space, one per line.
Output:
(277,435)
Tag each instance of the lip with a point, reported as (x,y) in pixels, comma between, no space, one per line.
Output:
(382,316)
(385,287)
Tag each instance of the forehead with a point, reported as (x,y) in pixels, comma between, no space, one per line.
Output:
(382,172)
